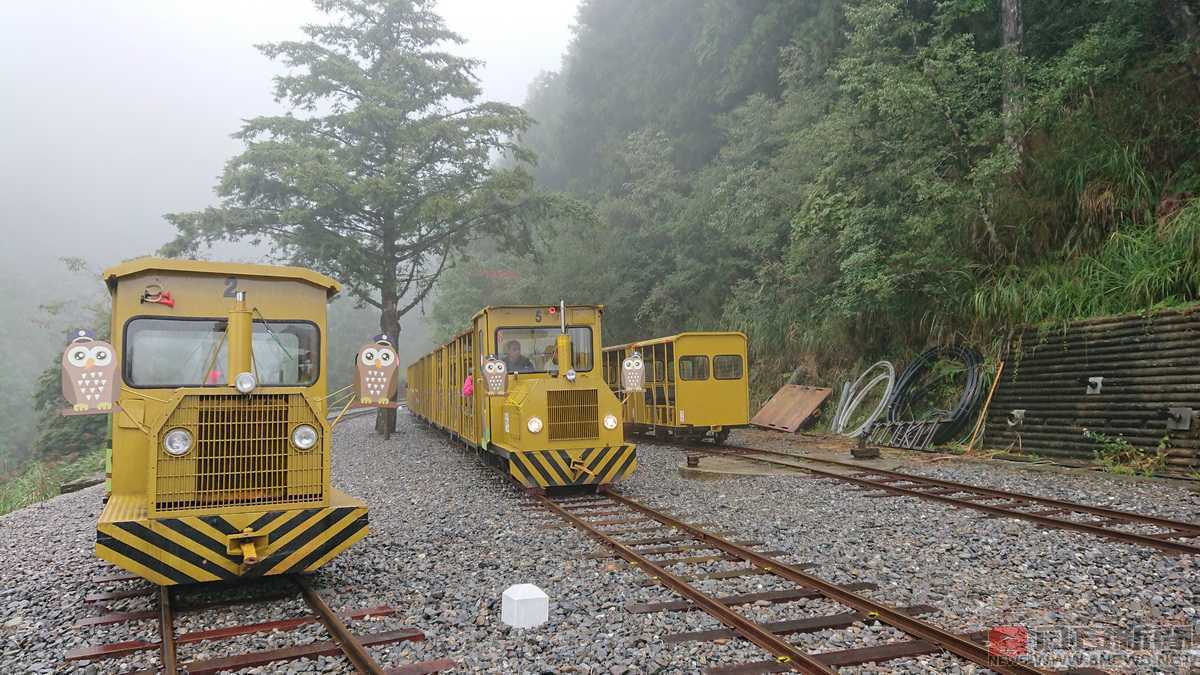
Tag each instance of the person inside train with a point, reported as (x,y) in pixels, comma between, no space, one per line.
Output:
(514,360)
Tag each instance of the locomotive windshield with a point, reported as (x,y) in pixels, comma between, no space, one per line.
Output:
(194,352)
(532,350)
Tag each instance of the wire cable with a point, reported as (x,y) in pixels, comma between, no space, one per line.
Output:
(854,394)
(909,388)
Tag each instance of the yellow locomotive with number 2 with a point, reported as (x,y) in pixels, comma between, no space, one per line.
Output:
(221,446)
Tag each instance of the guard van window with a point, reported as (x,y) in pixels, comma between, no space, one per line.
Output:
(693,367)
(727,367)
(195,353)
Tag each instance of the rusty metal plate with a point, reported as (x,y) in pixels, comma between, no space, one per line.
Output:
(790,407)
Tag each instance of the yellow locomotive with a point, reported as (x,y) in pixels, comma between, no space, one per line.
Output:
(523,385)
(221,447)
(696,384)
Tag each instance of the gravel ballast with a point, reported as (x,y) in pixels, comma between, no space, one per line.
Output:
(449,534)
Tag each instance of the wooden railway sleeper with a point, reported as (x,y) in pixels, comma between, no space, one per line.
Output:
(915,627)
(783,651)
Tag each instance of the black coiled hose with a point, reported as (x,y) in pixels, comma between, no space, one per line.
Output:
(954,421)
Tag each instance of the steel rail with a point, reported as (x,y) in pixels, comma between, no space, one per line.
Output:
(1165,545)
(1001,494)
(913,626)
(783,651)
(359,657)
(342,641)
(166,632)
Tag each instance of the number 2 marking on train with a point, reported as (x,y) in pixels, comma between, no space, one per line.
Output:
(231,287)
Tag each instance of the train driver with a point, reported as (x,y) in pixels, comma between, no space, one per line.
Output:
(514,360)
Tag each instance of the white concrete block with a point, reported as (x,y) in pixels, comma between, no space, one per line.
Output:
(524,606)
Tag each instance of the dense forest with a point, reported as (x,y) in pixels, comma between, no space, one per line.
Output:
(847,179)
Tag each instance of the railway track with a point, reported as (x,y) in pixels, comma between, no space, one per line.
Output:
(341,640)
(639,534)
(1161,534)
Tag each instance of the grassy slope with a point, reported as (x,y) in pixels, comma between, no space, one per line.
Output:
(41,480)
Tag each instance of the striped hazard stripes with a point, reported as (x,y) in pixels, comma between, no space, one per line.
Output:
(192,549)
(585,466)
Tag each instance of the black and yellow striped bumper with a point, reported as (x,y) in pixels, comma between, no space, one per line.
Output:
(586,466)
(203,548)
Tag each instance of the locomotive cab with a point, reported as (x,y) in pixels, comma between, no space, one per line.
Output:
(221,448)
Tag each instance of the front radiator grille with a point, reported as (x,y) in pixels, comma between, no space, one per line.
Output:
(241,454)
(572,414)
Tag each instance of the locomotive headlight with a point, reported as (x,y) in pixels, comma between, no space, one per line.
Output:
(245,382)
(610,422)
(304,437)
(177,442)
(534,425)
(571,375)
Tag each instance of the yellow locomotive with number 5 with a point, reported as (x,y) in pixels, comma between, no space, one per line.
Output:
(523,384)
(221,447)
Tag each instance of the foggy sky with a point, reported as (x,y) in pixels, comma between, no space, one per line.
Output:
(114,112)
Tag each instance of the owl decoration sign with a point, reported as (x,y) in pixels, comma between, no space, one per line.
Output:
(633,373)
(495,376)
(89,375)
(377,368)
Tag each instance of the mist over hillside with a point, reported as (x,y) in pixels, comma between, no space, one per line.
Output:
(122,111)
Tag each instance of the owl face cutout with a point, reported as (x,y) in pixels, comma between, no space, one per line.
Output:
(377,365)
(633,373)
(495,376)
(377,356)
(89,375)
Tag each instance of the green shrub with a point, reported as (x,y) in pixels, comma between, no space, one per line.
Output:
(1119,456)
(42,479)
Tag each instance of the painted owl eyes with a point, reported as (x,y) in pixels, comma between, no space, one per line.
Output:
(101,356)
(386,356)
(369,356)
(78,356)
(490,367)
